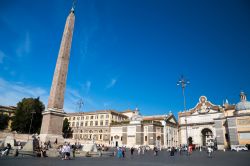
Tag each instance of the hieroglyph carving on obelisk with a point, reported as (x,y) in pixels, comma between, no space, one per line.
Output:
(53,116)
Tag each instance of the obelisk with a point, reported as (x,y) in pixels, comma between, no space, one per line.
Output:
(52,122)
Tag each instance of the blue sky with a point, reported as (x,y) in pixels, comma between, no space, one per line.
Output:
(127,53)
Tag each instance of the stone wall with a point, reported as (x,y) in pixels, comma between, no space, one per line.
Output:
(17,137)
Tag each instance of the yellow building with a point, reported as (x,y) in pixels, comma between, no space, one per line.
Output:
(88,126)
(10,111)
(233,128)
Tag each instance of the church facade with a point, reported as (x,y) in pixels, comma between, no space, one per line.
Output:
(208,124)
(233,128)
(197,125)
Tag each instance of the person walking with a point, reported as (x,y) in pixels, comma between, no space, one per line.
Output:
(139,150)
(209,150)
(143,150)
(123,151)
(74,150)
(119,153)
(155,151)
(172,151)
(132,151)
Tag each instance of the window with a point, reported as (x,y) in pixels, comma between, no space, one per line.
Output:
(121,138)
(78,118)
(91,123)
(146,138)
(96,117)
(82,118)
(101,116)
(74,118)
(77,124)
(101,123)
(100,137)
(111,138)
(81,123)
(106,123)
(107,116)
(86,123)
(96,123)
(92,117)
(73,124)
(87,117)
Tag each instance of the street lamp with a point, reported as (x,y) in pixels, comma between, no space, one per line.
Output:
(80,104)
(183,83)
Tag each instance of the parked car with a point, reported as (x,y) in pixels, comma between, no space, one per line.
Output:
(239,148)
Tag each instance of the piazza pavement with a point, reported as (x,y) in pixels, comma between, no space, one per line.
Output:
(219,158)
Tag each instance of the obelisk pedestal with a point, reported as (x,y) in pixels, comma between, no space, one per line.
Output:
(52,122)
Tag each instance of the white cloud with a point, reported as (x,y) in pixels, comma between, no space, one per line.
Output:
(2,56)
(111,83)
(12,92)
(24,46)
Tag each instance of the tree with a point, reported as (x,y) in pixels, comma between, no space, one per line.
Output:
(28,111)
(67,132)
(4,120)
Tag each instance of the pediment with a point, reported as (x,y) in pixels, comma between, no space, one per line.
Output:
(171,119)
(204,106)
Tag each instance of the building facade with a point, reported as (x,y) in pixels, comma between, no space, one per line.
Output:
(170,128)
(127,128)
(197,125)
(233,128)
(136,132)
(94,126)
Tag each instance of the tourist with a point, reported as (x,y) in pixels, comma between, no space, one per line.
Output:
(180,150)
(55,141)
(143,149)
(42,151)
(123,151)
(190,149)
(119,152)
(155,151)
(66,151)
(132,151)
(74,150)
(19,145)
(6,150)
(172,151)
(49,145)
(139,150)
(60,151)
(209,150)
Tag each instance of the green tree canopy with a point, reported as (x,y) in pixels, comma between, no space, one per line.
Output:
(27,108)
(4,119)
(67,132)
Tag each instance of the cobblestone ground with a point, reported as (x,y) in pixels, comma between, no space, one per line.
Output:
(163,159)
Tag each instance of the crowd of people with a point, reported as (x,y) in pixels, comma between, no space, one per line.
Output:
(66,149)
(120,151)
